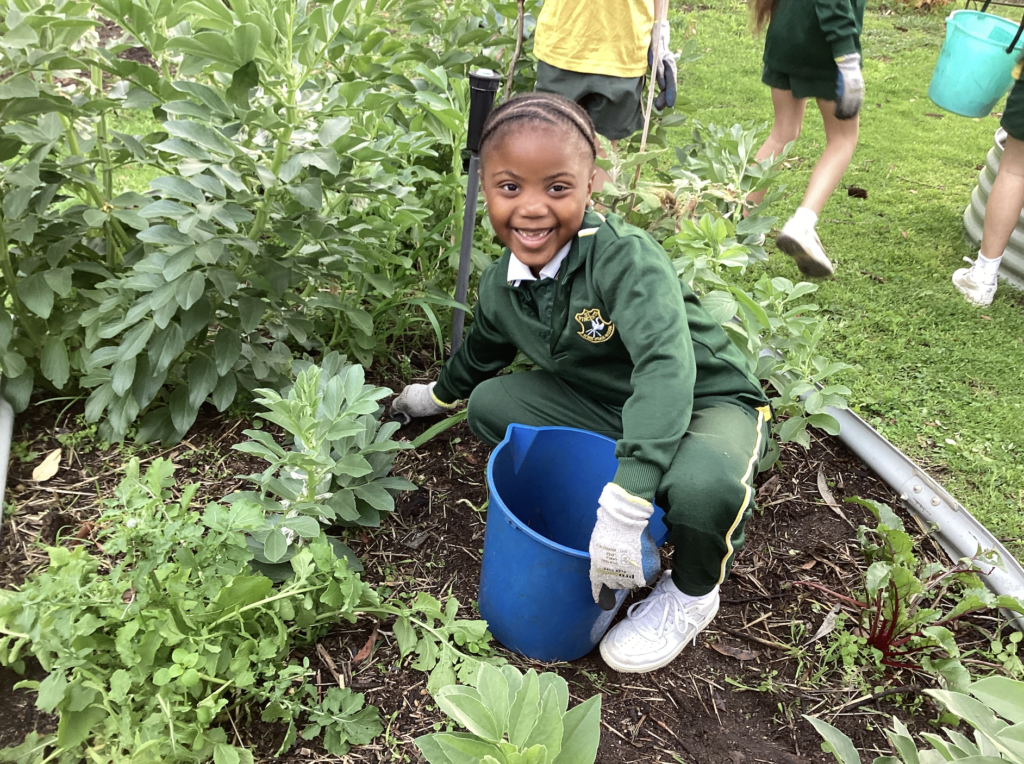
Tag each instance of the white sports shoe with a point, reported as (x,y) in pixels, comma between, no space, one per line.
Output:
(977,293)
(803,245)
(656,630)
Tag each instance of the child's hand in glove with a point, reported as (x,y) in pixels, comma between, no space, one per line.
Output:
(849,86)
(418,401)
(622,552)
(663,66)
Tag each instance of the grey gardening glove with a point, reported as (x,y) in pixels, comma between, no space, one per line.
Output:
(622,553)
(418,401)
(663,67)
(849,86)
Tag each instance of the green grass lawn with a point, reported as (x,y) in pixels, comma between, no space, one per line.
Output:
(941,379)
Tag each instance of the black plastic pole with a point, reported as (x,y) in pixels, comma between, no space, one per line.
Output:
(483,84)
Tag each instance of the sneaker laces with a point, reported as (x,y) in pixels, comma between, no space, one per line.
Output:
(673,612)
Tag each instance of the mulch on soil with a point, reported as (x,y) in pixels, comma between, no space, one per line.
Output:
(696,710)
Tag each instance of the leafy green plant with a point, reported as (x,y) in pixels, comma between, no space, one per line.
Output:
(907,608)
(148,646)
(297,152)
(514,718)
(994,707)
(336,469)
(153,638)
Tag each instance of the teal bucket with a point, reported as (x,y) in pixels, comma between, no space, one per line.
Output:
(974,70)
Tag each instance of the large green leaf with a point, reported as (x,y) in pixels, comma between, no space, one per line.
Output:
(493,689)
(37,294)
(244,79)
(463,704)
(122,374)
(1003,695)
(843,748)
(431,750)
(581,733)
(189,288)
(200,135)
(467,749)
(75,726)
(522,715)
(54,361)
(376,497)
(202,379)
(548,729)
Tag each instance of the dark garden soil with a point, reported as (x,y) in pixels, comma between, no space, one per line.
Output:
(737,696)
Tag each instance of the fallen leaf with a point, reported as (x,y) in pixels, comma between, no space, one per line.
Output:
(857,192)
(738,653)
(808,565)
(48,468)
(830,500)
(827,625)
(366,649)
(987,318)
(905,234)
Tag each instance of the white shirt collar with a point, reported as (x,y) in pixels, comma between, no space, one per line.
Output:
(518,271)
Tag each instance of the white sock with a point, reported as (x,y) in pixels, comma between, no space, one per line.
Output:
(807,218)
(985,268)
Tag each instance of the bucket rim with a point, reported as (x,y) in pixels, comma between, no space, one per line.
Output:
(1008,22)
(515,520)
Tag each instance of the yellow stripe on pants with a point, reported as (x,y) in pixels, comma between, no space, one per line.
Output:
(764,414)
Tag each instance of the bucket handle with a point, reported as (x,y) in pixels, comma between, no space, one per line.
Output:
(1020,29)
(1016,37)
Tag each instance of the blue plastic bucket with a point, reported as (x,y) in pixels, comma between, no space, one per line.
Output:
(544,484)
(974,70)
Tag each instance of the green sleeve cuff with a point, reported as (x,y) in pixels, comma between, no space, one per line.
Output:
(639,478)
(442,395)
(844,46)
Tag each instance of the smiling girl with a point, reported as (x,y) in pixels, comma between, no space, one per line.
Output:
(624,349)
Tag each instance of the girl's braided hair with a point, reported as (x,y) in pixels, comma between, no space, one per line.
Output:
(539,107)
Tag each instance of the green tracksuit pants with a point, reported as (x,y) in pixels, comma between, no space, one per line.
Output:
(707,493)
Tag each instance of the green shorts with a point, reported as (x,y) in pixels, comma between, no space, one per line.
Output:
(801,87)
(1013,113)
(613,103)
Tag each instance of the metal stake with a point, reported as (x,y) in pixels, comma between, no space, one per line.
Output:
(483,84)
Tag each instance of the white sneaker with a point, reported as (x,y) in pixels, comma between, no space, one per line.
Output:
(656,630)
(803,245)
(979,294)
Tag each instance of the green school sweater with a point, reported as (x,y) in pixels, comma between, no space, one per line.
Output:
(805,37)
(617,324)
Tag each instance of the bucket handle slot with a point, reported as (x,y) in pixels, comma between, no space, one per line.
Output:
(1020,28)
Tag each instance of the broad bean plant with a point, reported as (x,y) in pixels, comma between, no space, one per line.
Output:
(304,190)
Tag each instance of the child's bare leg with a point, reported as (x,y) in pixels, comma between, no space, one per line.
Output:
(789,118)
(1005,201)
(798,237)
(978,283)
(840,141)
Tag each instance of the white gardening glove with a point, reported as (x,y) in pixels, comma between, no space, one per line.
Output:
(622,553)
(849,86)
(418,401)
(663,67)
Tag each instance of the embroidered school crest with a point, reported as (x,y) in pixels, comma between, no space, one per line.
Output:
(595,329)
